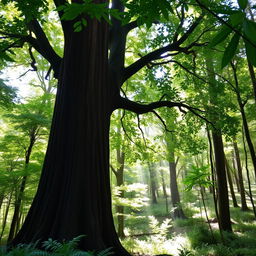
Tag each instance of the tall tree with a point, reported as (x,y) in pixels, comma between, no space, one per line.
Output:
(223,201)
(175,195)
(73,196)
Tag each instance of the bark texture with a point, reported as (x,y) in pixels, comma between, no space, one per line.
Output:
(73,196)
(223,201)
(240,176)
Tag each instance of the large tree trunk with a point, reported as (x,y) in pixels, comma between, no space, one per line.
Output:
(73,196)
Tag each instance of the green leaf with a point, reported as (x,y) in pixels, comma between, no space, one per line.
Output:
(230,50)
(250,52)
(84,22)
(249,29)
(242,3)
(78,26)
(237,18)
(221,36)
(72,11)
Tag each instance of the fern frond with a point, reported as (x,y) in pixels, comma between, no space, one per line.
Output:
(39,253)
(52,245)
(82,253)
(74,242)
(105,252)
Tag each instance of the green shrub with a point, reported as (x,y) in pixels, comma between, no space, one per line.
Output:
(245,252)
(200,235)
(187,222)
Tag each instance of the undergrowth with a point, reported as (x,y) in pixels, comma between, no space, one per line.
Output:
(52,248)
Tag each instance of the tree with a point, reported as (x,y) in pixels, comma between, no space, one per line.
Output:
(73,196)
(31,119)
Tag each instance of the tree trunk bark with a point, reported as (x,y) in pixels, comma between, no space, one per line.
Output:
(231,187)
(240,176)
(6,215)
(223,201)
(175,196)
(244,119)
(164,191)
(234,171)
(153,186)
(22,187)
(119,182)
(248,177)
(221,179)
(74,195)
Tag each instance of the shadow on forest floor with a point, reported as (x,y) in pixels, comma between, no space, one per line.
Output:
(191,237)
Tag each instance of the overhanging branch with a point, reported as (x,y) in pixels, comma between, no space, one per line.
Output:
(158,54)
(43,46)
(140,108)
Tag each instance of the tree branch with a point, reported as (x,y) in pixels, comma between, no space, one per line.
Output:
(113,169)
(143,61)
(130,26)
(161,120)
(43,46)
(182,18)
(140,108)
(190,30)
(142,133)
(157,54)
(203,7)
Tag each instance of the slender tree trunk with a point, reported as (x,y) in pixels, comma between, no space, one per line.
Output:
(244,119)
(231,184)
(248,177)
(2,199)
(240,176)
(175,196)
(153,186)
(213,174)
(22,187)
(119,173)
(205,210)
(74,195)
(164,191)
(234,171)
(248,138)
(6,215)
(163,184)
(222,188)
(223,201)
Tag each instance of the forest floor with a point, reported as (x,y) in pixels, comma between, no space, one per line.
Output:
(192,236)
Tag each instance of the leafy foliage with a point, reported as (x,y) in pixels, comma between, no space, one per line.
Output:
(147,12)
(72,11)
(241,27)
(7,95)
(198,176)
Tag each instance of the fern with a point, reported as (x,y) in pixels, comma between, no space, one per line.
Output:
(105,252)
(53,248)
(52,245)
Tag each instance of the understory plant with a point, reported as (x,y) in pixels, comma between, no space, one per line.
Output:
(53,248)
